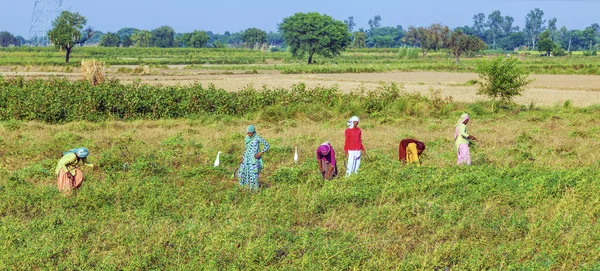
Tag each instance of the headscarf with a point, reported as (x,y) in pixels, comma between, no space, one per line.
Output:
(462,119)
(250,129)
(324,149)
(351,122)
(81,152)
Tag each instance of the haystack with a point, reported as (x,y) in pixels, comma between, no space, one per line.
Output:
(92,71)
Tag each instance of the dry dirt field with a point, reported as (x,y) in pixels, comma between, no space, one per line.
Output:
(546,90)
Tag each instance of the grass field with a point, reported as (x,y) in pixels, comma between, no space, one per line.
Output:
(530,201)
(350,61)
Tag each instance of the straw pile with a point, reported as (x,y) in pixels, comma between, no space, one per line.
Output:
(92,71)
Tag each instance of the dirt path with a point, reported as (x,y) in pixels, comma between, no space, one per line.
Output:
(546,90)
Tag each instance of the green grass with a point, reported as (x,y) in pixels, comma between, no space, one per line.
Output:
(157,203)
(350,61)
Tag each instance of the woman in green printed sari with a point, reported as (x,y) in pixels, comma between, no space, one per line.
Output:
(252,163)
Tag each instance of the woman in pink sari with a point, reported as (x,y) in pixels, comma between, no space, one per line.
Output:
(462,140)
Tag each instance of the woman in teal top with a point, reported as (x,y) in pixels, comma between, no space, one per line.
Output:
(252,163)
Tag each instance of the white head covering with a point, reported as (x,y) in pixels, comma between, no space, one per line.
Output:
(351,121)
(462,118)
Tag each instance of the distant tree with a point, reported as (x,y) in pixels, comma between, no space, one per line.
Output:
(142,38)
(95,38)
(7,39)
(274,38)
(437,35)
(126,32)
(507,26)
(420,36)
(350,23)
(545,43)
(21,40)
(501,78)
(196,39)
(163,37)
(375,22)
(552,28)
(479,25)
(110,40)
(254,36)
(385,37)
(534,25)
(126,41)
(67,31)
(494,23)
(459,43)
(589,35)
(313,33)
(359,40)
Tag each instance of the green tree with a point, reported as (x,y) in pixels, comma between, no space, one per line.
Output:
(545,43)
(254,36)
(7,39)
(534,25)
(459,43)
(479,25)
(196,39)
(67,31)
(359,40)
(313,33)
(163,37)
(501,78)
(350,23)
(110,40)
(494,24)
(420,36)
(275,38)
(142,39)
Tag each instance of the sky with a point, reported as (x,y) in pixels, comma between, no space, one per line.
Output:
(219,16)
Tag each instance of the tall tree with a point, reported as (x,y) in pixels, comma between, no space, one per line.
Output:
(507,25)
(274,38)
(313,33)
(350,23)
(375,22)
(67,31)
(552,28)
(479,25)
(254,36)
(494,23)
(110,40)
(7,39)
(534,25)
(163,37)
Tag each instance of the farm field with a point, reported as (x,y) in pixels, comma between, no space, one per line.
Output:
(546,90)
(531,200)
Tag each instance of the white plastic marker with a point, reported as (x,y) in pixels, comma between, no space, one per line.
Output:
(296,155)
(217,160)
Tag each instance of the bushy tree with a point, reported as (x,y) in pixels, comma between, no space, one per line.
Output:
(67,31)
(359,40)
(163,37)
(534,25)
(545,44)
(459,43)
(7,39)
(313,33)
(110,40)
(254,36)
(196,39)
(142,39)
(501,78)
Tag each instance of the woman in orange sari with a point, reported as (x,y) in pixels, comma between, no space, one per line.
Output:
(67,170)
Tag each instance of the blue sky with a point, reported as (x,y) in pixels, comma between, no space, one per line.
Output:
(236,15)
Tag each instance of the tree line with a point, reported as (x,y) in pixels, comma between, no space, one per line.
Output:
(314,33)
